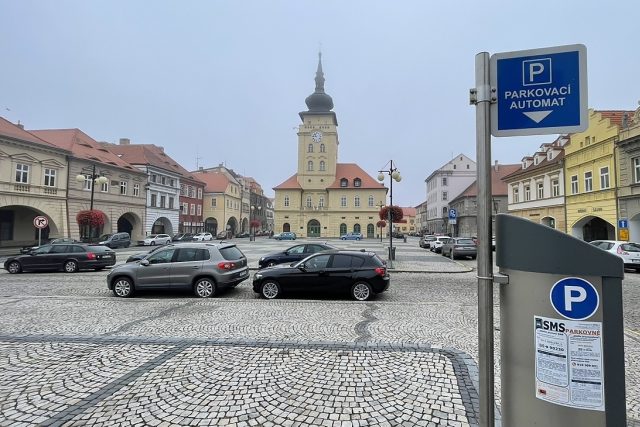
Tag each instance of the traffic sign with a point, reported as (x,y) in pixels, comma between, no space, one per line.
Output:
(623,223)
(574,298)
(453,214)
(40,221)
(539,91)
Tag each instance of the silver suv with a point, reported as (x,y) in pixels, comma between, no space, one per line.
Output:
(203,268)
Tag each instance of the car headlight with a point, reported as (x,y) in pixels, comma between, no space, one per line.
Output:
(257,276)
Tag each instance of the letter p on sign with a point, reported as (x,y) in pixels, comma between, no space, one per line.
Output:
(573,294)
(536,72)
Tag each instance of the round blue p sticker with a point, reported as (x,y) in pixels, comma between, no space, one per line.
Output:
(574,298)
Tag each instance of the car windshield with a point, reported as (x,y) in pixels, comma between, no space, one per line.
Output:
(105,237)
(153,236)
(466,242)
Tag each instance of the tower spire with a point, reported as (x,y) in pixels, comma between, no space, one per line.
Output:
(319,101)
(319,75)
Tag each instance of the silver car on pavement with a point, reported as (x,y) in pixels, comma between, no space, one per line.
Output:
(204,269)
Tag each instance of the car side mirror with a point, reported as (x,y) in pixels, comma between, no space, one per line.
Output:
(302,267)
(144,262)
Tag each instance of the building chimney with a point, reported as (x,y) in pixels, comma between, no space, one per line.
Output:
(125,141)
(496,166)
(161,149)
(201,168)
(20,125)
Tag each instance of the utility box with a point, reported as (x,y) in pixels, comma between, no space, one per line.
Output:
(561,329)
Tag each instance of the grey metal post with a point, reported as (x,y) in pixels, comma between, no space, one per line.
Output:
(485,261)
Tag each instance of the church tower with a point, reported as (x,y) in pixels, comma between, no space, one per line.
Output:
(317,138)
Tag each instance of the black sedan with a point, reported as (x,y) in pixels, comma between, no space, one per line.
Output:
(67,257)
(27,249)
(361,274)
(294,253)
(182,237)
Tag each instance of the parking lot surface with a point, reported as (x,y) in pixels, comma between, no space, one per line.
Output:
(73,354)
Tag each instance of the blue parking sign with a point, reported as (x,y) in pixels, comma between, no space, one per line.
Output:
(539,91)
(574,298)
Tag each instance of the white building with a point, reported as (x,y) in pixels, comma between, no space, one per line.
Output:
(444,185)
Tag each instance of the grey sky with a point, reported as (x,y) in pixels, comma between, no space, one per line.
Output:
(226,79)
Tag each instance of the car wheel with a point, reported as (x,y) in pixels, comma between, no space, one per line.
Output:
(204,288)
(14,267)
(70,266)
(270,289)
(123,287)
(152,244)
(361,291)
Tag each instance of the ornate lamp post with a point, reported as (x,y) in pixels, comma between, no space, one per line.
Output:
(394,175)
(90,172)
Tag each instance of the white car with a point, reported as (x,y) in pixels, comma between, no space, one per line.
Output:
(628,251)
(157,239)
(436,245)
(202,237)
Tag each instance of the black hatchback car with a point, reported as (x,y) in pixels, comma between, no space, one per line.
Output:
(361,274)
(67,257)
(294,253)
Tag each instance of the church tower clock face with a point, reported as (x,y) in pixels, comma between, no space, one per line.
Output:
(316,136)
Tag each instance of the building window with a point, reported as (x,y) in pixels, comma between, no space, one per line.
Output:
(540,190)
(516,195)
(555,188)
(343,201)
(163,180)
(163,201)
(310,148)
(321,202)
(104,187)
(182,189)
(170,202)
(173,183)
(322,148)
(185,208)
(193,209)
(357,182)
(123,188)
(154,178)
(200,193)
(574,184)
(588,181)
(322,165)
(604,177)
(88,182)
(286,201)
(370,201)
(154,199)
(636,170)
(199,208)
(310,165)
(445,195)
(214,203)
(444,181)
(527,193)
(344,182)
(49,177)
(190,191)
(356,201)
(343,229)
(309,204)
(136,189)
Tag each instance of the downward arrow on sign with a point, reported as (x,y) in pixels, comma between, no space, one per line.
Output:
(537,116)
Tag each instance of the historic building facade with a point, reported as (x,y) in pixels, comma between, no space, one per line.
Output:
(325,198)
(222,203)
(444,185)
(536,190)
(628,171)
(33,182)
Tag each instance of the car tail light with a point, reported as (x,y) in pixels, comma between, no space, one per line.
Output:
(381,271)
(226,265)
(91,255)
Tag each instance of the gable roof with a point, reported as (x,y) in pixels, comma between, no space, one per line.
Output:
(13,131)
(409,211)
(290,183)
(215,182)
(557,160)
(351,171)
(81,146)
(498,186)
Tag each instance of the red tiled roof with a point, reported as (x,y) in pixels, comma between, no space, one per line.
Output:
(545,162)
(215,182)
(409,211)
(290,184)
(351,171)
(10,130)
(498,186)
(81,146)
(614,116)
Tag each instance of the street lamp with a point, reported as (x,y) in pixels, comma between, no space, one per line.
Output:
(380,205)
(252,235)
(95,179)
(394,175)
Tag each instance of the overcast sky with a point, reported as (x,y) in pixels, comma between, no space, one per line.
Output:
(224,80)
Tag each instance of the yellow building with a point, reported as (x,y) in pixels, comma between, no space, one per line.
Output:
(408,223)
(325,198)
(222,202)
(590,177)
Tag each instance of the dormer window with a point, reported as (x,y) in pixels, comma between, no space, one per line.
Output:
(357,182)
(344,182)
(549,155)
(535,160)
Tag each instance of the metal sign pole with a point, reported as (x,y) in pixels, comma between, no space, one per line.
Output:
(39,236)
(485,261)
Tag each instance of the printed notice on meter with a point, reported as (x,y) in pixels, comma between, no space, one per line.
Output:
(568,361)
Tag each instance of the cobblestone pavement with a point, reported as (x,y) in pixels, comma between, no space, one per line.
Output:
(72,354)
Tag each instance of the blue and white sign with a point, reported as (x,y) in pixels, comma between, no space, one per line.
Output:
(539,91)
(453,214)
(623,223)
(574,298)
